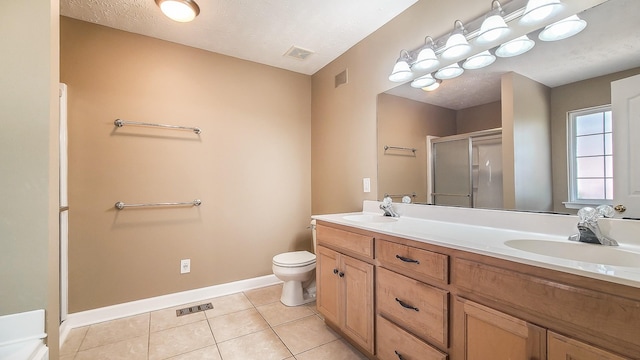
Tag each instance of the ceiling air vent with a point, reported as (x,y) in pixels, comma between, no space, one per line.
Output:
(298,53)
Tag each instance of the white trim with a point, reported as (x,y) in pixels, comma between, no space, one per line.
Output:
(137,307)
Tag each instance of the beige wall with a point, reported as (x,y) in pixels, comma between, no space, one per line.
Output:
(28,159)
(406,123)
(250,166)
(576,96)
(481,117)
(526,144)
(344,118)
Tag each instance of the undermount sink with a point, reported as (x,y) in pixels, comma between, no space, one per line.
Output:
(370,218)
(591,253)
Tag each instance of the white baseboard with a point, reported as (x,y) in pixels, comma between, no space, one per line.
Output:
(137,307)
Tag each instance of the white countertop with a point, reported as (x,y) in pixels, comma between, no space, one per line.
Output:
(463,229)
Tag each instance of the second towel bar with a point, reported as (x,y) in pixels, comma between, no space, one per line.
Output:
(121,123)
(120,205)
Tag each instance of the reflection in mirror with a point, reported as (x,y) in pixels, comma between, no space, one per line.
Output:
(527,96)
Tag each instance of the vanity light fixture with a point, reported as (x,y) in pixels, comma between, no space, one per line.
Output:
(563,29)
(426,60)
(449,72)
(401,70)
(493,27)
(478,61)
(515,47)
(457,45)
(433,86)
(179,10)
(537,11)
(423,81)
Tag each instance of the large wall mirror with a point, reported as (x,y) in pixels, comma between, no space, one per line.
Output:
(540,86)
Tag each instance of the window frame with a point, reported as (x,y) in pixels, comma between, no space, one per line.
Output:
(573,201)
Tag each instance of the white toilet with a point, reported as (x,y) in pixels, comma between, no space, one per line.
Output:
(297,270)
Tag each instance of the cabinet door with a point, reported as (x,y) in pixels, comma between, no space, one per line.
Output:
(357,294)
(564,348)
(328,284)
(490,334)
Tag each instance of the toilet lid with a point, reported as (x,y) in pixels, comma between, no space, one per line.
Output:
(294,259)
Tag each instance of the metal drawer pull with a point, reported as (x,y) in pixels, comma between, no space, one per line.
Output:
(407,259)
(399,356)
(405,305)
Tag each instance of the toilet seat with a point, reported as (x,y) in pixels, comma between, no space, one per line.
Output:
(294,259)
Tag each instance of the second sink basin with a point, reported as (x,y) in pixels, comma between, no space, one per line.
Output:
(370,218)
(591,253)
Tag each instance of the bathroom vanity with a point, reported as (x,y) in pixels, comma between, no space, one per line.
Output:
(454,290)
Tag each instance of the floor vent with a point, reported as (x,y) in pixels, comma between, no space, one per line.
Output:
(194,309)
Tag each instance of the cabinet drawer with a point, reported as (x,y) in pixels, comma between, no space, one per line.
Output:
(413,262)
(418,307)
(346,241)
(561,348)
(393,343)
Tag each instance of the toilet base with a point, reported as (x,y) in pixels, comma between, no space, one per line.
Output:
(293,294)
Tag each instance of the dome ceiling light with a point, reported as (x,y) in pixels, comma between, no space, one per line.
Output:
(179,10)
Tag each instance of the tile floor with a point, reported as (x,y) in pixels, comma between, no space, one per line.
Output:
(244,326)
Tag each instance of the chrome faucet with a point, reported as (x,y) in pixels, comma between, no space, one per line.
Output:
(588,229)
(387,207)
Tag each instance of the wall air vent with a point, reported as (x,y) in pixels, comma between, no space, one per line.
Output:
(298,53)
(341,78)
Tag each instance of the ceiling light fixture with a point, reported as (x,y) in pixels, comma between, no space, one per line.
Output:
(537,11)
(401,70)
(433,86)
(563,29)
(515,47)
(179,10)
(478,61)
(426,60)
(423,81)
(493,27)
(457,45)
(449,72)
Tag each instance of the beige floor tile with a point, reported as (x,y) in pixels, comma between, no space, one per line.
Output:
(276,313)
(116,330)
(312,306)
(237,324)
(208,353)
(130,349)
(228,304)
(179,340)
(262,345)
(305,334)
(73,340)
(166,318)
(264,295)
(335,350)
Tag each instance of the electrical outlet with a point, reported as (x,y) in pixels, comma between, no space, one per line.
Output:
(366,185)
(185,266)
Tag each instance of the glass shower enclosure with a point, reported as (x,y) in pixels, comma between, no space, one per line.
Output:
(466,169)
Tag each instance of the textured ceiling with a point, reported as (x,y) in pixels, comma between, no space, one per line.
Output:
(257,30)
(610,43)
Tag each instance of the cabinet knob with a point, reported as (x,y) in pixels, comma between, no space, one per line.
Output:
(341,274)
(398,354)
(335,271)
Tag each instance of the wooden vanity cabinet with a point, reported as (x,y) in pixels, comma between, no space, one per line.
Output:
(563,348)
(405,304)
(345,284)
(490,334)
